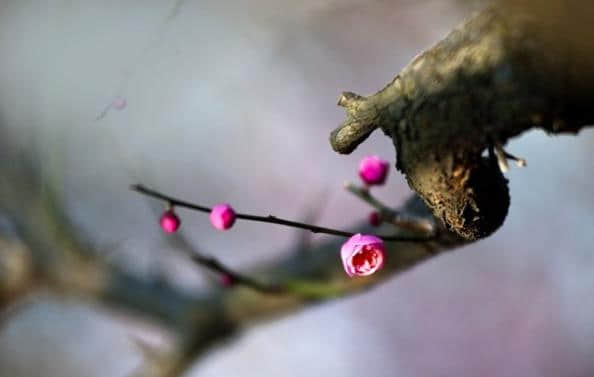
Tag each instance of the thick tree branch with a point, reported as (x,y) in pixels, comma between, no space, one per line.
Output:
(517,65)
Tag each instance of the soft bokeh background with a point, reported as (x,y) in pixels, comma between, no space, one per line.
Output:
(233,101)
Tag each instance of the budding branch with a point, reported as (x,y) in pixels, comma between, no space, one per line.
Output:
(267,219)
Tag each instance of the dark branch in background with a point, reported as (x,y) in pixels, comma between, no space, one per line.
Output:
(59,259)
(235,278)
(227,277)
(266,219)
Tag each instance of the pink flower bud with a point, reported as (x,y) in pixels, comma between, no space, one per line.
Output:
(227,280)
(169,221)
(222,216)
(373,170)
(375,218)
(362,255)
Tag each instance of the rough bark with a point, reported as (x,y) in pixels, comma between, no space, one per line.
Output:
(508,69)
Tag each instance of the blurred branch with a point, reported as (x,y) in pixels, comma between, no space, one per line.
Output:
(315,277)
(64,263)
(227,276)
(49,254)
(17,277)
(234,277)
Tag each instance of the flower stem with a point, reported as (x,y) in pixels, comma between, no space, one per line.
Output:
(389,215)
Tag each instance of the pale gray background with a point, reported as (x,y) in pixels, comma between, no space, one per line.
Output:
(233,101)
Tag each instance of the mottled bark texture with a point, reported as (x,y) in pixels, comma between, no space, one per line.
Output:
(510,68)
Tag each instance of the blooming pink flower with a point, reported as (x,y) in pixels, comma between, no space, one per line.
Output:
(373,170)
(169,221)
(362,255)
(375,218)
(222,216)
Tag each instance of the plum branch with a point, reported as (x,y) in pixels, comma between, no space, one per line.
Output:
(268,219)
(515,66)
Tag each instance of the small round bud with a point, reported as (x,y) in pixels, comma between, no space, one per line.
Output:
(362,255)
(222,216)
(169,221)
(375,219)
(227,280)
(373,170)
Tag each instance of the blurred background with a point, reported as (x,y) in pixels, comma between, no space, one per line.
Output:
(233,101)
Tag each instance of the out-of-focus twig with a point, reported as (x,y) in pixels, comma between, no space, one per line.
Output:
(64,262)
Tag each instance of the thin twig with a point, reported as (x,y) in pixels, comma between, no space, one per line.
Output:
(266,219)
(214,265)
(180,243)
(389,215)
(520,162)
(236,279)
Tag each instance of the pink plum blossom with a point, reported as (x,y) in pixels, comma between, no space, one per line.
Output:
(222,216)
(373,170)
(169,221)
(362,255)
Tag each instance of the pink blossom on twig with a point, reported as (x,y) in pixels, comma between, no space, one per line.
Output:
(169,221)
(222,216)
(373,170)
(362,255)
